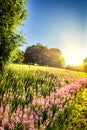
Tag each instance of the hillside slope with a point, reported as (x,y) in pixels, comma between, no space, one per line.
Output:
(40,98)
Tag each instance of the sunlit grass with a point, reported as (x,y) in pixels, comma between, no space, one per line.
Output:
(23,67)
(38,94)
(79,113)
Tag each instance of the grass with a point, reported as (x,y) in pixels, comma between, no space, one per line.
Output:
(45,68)
(78,117)
(40,95)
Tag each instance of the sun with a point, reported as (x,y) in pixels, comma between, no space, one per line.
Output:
(73,60)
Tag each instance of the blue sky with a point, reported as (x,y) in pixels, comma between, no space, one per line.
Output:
(58,24)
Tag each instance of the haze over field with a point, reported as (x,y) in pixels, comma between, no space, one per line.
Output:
(59,24)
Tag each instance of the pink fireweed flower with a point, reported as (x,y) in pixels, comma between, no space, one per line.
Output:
(72,91)
(11,126)
(4,97)
(2,128)
(5,121)
(65,106)
(24,116)
(18,112)
(32,128)
(60,107)
(52,101)
(58,101)
(47,104)
(36,118)
(34,102)
(1,110)
(17,120)
(25,119)
(31,117)
(1,117)
(25,109)
(20,115)
(7,108)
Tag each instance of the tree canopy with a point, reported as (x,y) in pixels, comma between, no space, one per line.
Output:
(42,55)
(16,56)
(12,13)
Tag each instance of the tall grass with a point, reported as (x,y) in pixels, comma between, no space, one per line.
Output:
(31,97)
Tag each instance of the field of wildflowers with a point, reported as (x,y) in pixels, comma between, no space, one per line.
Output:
(35,98)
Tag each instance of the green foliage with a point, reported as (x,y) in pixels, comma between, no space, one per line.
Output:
(61,121)
(78,118)
(17,56)
(12,13)
(36,54)
(43,56)
(19,126)
(45,91)
(54,109)
(55,58)
(44,114)
(29,96)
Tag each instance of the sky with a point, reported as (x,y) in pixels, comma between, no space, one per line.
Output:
(58,24)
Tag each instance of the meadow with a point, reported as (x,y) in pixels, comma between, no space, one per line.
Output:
(42,98)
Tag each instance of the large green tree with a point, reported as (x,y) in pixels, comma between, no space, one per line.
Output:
(12,13)
(44,56)
(36,54)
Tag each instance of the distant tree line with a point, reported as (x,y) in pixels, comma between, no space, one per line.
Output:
(42,55)
(38,54)
(82,67)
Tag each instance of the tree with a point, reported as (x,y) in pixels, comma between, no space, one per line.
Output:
(56,58)
(12,13)
(16,56)
(43,56)
(36,54)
